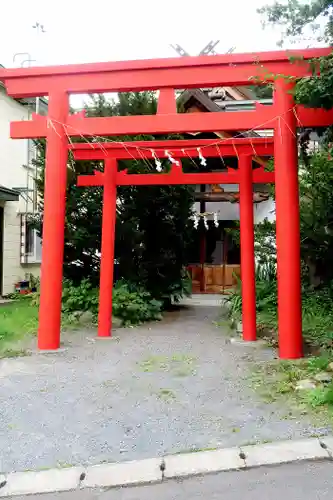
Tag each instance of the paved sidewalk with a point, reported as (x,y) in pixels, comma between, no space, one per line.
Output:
(297,481)
(163,388)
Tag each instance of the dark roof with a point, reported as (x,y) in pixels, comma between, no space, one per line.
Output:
(200,97)
(7,194)
(196,95)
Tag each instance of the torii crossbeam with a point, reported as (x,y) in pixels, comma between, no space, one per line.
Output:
(166,75)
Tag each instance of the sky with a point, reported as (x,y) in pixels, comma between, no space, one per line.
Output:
(109,30)
(106,30)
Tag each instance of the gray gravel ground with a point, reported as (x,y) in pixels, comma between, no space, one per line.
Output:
(297,481)
(168,387)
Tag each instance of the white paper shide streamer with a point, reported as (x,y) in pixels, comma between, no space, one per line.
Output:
(205,222)
(158,162)
(171,158)
(196,219)
(203,160)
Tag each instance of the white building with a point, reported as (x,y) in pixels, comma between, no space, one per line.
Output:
(20,246)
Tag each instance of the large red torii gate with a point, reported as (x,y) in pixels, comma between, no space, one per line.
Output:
(167,75)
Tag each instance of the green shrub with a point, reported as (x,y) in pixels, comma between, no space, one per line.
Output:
(320,396)
(266,292)
(317,311)
(318,318)
(79,298)
(132,305)
(235,300)
(266,295)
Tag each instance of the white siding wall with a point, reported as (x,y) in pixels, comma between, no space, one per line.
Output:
(225,209)
(13,155)
(230,211)
(13,271)
(264,210)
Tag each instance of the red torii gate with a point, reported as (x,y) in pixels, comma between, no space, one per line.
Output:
(244,149)
(167,75)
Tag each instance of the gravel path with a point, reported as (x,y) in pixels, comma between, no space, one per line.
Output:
(165,388)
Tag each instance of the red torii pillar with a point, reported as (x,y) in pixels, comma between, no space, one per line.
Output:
(53,222)
(247,249)
(287,223)
(107,250)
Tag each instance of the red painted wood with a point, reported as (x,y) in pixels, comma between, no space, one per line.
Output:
(53,226)
(307,117)
(167,63)
(152,124)
(178,144)
(177,177)
(287,227)
(247,249)
(128,152)
(232,69)
(166,101)
(264,118)
(107,251)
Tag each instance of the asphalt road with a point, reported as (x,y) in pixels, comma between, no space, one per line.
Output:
(297,481)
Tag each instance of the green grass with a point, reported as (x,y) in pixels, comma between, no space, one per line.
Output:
(277,380)
(18,323)
(64,465)
(193,450)
(18,320)
(154,363)
(11,352)
(253,442)
(180,365)
(317,315)
(166,395)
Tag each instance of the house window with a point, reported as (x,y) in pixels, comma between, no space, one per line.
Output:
(29,238)
(31,243)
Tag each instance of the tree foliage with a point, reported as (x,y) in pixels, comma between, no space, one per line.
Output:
(316,222)
(316,216)
(262,91)
(296,17)
(152,227)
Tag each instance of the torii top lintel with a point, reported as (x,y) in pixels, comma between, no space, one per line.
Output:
(185,72)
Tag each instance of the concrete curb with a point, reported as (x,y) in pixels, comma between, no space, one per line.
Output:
(155,470)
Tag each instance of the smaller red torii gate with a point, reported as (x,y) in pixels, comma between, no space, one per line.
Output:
(110,178)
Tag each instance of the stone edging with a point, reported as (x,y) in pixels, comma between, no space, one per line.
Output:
(155,470)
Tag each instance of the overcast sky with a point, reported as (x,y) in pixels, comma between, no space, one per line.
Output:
(78,31)
(101,30)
